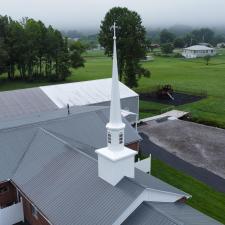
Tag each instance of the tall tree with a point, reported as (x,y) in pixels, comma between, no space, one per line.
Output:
(36,51)
(166,37)
(131,43)
(203,35)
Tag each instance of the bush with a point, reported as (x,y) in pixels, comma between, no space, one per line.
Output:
(167,48)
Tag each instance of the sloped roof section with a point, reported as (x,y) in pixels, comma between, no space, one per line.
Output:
(84,93)
(64,185)
(146,215)
(23,102)
(199,47)
(13,146)
(168,214)
(149,181)
(84,126)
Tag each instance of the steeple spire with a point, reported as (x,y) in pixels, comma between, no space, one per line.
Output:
(115,127)
(115,108)
(115,161)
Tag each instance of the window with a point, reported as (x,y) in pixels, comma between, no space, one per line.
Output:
(121,138)
(34,212)
(4,189)
(109,138)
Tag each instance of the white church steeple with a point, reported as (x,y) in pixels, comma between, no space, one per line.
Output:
(115,161)
(115,127)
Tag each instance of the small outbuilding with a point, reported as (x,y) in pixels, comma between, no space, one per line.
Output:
(196,51)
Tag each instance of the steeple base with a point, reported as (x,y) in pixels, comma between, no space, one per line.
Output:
(113,166)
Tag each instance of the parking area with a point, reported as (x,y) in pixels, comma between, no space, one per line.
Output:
(199,145)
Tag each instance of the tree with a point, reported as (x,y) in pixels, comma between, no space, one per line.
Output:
(178,43)
(167,48)
(203,35)
(131,43)
(36,51)
(76,50)
(207,58)
(166,37)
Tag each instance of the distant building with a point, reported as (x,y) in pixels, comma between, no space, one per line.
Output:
(221,45)
(205,44)
(196,51)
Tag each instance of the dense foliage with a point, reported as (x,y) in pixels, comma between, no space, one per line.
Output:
(31,51)
(131,43)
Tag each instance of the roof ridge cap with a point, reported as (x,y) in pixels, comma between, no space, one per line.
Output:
(26,150)
(32,124)
(66,143)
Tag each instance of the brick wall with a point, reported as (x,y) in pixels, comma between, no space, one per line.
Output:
(9,197)
(134,146)
(29,217)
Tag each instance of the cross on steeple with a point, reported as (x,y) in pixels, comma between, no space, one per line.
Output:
(114,30)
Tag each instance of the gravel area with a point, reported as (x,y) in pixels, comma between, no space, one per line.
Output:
(200,145)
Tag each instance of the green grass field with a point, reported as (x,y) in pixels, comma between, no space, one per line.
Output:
(204,198)
(184,75)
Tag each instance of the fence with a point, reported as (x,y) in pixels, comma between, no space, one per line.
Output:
(12,214)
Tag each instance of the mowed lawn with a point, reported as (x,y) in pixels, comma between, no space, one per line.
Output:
(204,198)
(184,75)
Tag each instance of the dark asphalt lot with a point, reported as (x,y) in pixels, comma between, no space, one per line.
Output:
(179,98)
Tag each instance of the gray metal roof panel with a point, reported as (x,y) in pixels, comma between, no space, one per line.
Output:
(13,147)
(16,104)
(184,213)
(79,127)
(152,182)
(146,215)
(63,183)
(157,213)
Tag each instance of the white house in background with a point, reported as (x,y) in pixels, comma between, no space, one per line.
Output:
(221,45)
(196,51)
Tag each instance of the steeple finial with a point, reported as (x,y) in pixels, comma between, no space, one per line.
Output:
(114,31)
(115,108)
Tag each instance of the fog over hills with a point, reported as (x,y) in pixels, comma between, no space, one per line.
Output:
(86,15)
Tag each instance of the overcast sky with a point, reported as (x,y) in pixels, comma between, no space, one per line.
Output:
(85,14)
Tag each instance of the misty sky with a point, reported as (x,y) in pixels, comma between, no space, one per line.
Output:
(87,14)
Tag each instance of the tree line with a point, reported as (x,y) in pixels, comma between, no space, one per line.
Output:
(169,40)
(31,51)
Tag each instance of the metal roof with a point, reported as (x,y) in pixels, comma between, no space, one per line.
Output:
(13,147)
(64,185)
(184,213)
(85,125)
(85,92)
(62,181)
(23,102)
(149,181)
(198,47)
(168,214)
(145,215)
